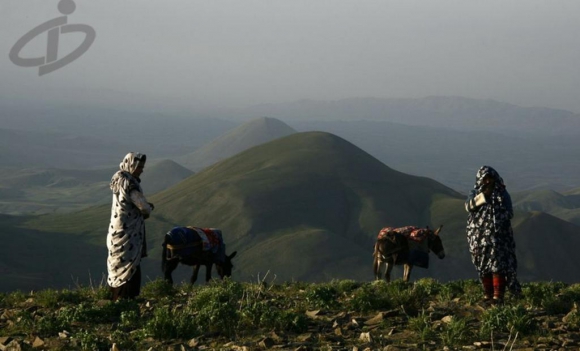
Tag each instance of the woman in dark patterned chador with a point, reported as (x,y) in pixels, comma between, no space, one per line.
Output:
(126,237)
(490,235)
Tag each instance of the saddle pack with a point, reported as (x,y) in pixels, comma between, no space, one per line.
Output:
(182,241)
(418,254)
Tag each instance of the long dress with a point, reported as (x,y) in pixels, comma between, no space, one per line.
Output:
(489,231)
(126,241)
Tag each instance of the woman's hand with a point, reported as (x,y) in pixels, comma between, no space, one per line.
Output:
(487,189)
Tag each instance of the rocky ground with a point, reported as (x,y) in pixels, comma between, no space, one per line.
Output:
(333,316)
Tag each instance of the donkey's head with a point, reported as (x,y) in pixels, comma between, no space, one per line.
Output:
(224,268)
(435,243)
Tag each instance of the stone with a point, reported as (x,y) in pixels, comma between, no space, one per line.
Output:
(13,345)
(365,337)
(305,337)
(313,314)
(193,342)
(277,338)
(38,343)
(378,319)
(447,319)
(63,334)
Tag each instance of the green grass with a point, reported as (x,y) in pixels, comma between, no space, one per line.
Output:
(225,311)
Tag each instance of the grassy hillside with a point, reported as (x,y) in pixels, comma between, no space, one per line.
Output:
(41,259)
(565,206)
(308,182)
(243,137)
(309,206)
(310,192)
(339,315)
(50,190)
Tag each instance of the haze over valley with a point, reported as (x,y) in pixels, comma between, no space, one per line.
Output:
(299,128)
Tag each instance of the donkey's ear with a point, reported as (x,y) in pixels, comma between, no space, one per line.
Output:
(232,255)
(438,229)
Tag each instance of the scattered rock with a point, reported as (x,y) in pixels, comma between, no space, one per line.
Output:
(305,337)
(277,338)
(38,343)
(313,314)
(366,337)
(13,345)
(378,319)
(447,319)
(5,340)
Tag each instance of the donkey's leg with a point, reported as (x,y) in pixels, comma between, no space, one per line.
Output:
(407,272)
(377,268)
(168,268)
(208,268)
(389,268)
(195,272)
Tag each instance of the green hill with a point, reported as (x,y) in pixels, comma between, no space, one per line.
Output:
(307,193)
(308,207)
(564,206)
(249,134)
(39,259)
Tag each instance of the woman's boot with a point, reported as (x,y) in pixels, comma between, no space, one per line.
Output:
(499,282)
(487,282)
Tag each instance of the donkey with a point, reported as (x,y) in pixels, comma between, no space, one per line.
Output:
(195,247)
(394,246)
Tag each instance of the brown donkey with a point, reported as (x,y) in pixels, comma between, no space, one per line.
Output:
(408,246)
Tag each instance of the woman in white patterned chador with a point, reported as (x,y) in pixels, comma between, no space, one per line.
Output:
(126,241)
(490,235)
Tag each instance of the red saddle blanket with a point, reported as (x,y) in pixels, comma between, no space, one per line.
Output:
(410,232)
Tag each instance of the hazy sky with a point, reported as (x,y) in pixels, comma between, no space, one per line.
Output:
(197,54)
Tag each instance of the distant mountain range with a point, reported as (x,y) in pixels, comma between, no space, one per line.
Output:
(306,207)
(101,131)
(444,138)
(453,113)
(452,157)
